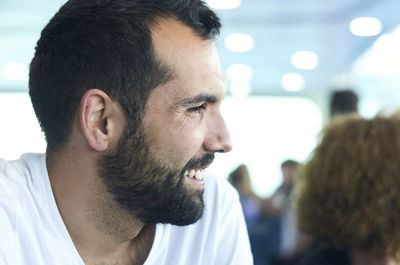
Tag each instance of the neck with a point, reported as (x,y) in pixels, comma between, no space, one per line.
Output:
(101,231)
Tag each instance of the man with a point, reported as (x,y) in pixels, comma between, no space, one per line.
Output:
(343,102)
(282,196)
(278,204)
(128,94)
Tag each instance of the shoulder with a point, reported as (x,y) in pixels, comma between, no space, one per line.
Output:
(17,174)
(15,185)
(17,182)
(12,176)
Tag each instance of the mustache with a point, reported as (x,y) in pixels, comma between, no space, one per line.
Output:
(204,160)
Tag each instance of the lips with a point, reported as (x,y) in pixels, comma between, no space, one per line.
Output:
(195,173)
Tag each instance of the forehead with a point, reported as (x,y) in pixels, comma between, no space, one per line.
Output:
(193,61)
(169,36)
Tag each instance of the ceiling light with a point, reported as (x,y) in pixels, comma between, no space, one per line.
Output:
(305,60)
(239,42)
(224,4)
(365,26)
(239,73)
(15,71)
(292,82)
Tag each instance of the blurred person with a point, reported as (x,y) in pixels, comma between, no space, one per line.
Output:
(281,199)
(240,179)
(348,193)
(279,202)
(128,95)
(292,243)
(343,102)
(264,232)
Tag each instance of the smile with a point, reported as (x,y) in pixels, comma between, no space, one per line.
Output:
(195,177)
(195,173)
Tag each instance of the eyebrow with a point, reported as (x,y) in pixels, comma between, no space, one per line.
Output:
(197,99)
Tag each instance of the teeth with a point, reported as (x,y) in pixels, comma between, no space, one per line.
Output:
(199,174)
(195,174)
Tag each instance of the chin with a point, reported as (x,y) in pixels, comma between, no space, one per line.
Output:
(192,210)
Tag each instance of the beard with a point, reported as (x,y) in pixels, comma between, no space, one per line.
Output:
(145,188)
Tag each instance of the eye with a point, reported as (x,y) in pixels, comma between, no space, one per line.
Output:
(198,109)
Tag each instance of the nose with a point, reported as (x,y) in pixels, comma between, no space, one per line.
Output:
(217,137)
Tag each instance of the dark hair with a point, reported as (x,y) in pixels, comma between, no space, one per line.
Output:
(237,176)
(240,179)
(289,163)
(343,102)
(104,44)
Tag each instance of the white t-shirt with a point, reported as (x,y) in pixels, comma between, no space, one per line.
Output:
(32,230)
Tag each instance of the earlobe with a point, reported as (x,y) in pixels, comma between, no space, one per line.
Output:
(94,112)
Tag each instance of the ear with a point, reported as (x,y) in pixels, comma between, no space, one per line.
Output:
(95,114)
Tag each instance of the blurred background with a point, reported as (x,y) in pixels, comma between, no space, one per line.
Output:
(282,59)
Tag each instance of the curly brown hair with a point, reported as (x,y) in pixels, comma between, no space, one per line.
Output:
(349,191)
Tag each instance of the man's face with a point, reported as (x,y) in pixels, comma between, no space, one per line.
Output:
(287,173)
(156,173)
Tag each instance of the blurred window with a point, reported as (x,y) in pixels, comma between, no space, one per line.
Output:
(265,131)
(20,132)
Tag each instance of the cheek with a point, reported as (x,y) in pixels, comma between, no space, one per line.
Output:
(174,140)
(179,145)
(185,142)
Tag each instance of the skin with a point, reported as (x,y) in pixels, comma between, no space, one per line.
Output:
(182,120)
(287,173)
